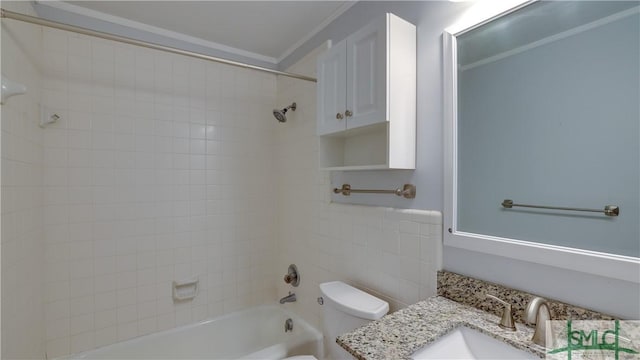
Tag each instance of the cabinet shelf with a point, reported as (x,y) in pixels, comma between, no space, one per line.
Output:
(366,148)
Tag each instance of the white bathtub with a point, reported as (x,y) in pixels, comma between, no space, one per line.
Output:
(256,333)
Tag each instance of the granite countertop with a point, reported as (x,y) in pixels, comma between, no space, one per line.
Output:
(400,334)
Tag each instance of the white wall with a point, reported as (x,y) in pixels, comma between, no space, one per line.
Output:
(391,253)
(22,194)
(156,172)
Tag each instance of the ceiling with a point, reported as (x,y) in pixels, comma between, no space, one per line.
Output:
(270,29)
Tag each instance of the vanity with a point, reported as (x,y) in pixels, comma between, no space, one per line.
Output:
(401,334)
(461,322)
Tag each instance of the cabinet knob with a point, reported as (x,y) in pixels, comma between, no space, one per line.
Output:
(339,116)
(348,113)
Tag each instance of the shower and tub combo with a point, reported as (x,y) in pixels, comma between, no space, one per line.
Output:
(257,333)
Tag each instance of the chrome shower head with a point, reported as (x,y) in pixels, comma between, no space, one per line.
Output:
(280,115)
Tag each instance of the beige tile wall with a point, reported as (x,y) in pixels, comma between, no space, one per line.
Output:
(158,171)
(22,194)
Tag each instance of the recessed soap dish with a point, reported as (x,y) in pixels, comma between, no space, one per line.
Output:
(185,290)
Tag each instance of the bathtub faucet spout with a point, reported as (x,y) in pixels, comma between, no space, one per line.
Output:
(289,298)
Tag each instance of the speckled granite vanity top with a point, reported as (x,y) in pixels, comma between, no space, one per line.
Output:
(400,334)
(462,301)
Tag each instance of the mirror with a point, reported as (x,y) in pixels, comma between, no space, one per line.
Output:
(543,111)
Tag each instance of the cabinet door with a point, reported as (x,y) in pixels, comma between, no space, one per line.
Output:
(367,75)
(332,80)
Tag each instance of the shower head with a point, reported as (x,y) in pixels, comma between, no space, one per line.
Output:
(280,114)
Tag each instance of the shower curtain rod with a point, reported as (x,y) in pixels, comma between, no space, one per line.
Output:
(53,24)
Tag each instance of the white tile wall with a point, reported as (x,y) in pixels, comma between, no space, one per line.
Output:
(22,196)
(391,253)
(157,172)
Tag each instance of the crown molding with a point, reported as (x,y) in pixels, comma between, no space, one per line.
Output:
(339,11)
(153,29)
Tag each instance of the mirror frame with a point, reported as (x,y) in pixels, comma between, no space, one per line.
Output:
(620,267)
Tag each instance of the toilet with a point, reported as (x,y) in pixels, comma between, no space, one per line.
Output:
(345,308)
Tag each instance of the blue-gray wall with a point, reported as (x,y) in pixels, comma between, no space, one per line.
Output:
(555,125)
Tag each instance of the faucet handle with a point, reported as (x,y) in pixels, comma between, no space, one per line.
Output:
(507,321)
(292,276)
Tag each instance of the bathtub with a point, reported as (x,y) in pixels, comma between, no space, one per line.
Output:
(255,333)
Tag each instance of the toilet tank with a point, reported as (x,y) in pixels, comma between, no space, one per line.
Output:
(346,308)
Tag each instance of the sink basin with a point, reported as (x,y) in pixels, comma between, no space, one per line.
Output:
(466,343)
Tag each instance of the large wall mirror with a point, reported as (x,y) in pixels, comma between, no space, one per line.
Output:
(543,109)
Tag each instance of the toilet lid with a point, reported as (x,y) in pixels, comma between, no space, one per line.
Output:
(354,301)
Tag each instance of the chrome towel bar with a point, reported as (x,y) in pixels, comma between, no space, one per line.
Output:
(408,191)
(609,210)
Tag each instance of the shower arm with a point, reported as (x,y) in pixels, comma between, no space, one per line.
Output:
(6,14)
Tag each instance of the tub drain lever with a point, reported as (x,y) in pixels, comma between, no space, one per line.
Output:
(288,325)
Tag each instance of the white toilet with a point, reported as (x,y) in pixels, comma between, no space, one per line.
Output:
(344,309)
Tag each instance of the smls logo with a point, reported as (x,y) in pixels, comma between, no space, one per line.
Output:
(594,340)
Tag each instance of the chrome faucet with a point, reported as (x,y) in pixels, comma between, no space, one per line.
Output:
(289,298)
(537,313)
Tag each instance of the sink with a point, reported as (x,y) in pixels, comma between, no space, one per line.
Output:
(466,343)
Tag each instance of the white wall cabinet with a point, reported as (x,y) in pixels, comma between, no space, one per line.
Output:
(367,98)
